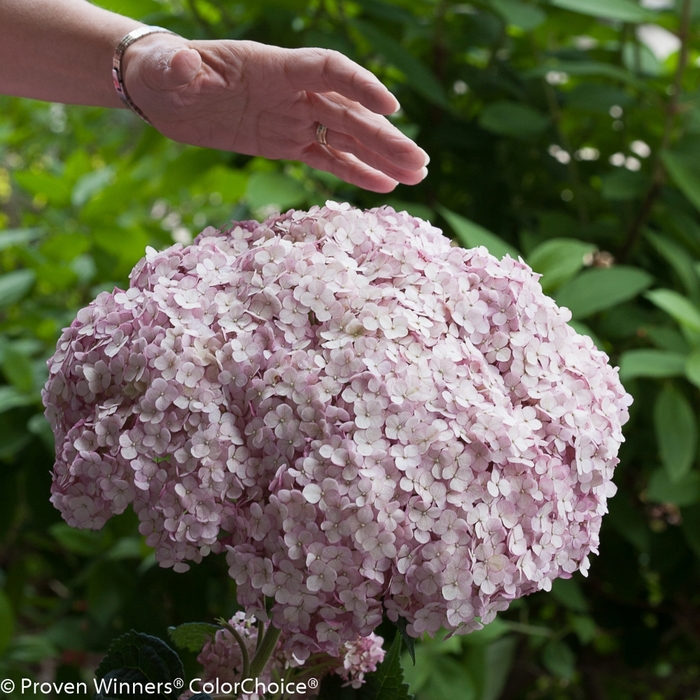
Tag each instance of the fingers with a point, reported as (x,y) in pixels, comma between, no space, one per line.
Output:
(374,133)
(323,71)
(340,142)
(348,168)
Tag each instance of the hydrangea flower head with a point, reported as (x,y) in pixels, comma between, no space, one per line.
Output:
(360,416)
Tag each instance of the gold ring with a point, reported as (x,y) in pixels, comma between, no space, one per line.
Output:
(321,131)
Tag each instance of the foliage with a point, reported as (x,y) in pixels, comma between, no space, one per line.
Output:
(555,132)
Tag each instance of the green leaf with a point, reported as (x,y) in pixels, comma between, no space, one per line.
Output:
(558,260)
(15,285)
(132,8)
(140,657)
(692,367)
(602,288)
(568,592)
(471,235)
(90,184)
(88,543)
(520,15)
(11,398)
(559,660)
(685,173)
(410,642)
(622,185)
(678,258)
(275,190)
(622,10)
(7,622)
(55,189)
(19,237)
(192,635)
(419,77)
(676,432)
(677,306)
(684,492)
(597,97)
(584,68)
(18,369)
(651,363)
(691,527)
(513,119)
(386,683)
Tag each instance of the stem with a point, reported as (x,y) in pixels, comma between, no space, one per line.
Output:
(244,649)
(264,651)
(672,109)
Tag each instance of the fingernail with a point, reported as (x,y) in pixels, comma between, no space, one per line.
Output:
(424,173)
(398,106)
(427,157)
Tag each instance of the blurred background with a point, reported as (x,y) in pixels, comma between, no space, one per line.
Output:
(564,131)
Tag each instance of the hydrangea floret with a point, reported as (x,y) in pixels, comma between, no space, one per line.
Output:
(362,417)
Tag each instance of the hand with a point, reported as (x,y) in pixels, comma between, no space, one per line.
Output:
(267,101)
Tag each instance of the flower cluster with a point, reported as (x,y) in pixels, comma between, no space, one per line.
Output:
(221,657)
(363,417)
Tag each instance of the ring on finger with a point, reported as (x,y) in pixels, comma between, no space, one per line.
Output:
(321,131)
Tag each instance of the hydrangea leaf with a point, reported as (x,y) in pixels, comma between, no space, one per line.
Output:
(684,492)
(676,432)
(677,306)
(471,235)
(519,14)
(558,260)
(14,286)
(559,659)
(419,77)
(409,641)
(387,682)
(192,635)
(651,363)
(141,657)
(622,10)
(513,119)
(602,288)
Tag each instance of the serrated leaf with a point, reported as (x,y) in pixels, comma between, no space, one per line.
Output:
(677,306)
(387,682)
(676,432)
(622,10)
(568,592)
(602,288)
(651,363)
(679,259)
(192,635)
(471,235)
(419,77)
(558,260)
(513,119)
(15,285)
(137,654)
(410,642)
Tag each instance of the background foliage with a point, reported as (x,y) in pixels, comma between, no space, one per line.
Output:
(556,133)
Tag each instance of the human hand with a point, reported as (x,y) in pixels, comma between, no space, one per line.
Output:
(267,101)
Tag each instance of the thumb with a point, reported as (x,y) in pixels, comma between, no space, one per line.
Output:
(180,68)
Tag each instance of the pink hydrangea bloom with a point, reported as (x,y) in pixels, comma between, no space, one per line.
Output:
(221,657)
(361,416)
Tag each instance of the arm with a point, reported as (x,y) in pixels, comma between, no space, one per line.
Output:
(237,96)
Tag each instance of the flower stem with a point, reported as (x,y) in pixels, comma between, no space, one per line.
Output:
(264,651)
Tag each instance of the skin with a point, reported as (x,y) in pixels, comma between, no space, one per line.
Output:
(237,96)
